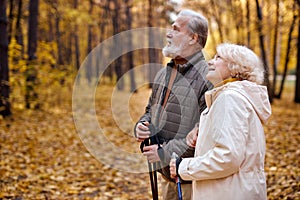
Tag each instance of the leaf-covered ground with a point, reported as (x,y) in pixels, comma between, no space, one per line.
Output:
(43,156)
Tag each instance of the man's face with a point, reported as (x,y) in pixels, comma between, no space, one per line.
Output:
(178,39)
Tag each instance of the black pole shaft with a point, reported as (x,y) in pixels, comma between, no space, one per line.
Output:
(152,174)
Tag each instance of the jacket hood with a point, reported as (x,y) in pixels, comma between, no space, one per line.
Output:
(257,96)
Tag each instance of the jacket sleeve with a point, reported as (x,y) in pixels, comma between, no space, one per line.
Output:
(147,115)
(228,133)
(179,146)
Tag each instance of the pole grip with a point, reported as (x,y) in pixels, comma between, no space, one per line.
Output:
(177,179)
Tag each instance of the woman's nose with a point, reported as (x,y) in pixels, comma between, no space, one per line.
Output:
(211,62)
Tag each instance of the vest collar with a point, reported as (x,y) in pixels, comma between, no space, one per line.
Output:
(191,61)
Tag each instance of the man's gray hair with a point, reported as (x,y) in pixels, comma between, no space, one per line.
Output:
(242,62)
(197,24)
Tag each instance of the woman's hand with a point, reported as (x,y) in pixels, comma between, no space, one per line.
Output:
(173,168)
(191,138)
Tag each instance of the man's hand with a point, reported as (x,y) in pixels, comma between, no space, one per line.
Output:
(191,138)
(173,168)
(142,131)
(151,153)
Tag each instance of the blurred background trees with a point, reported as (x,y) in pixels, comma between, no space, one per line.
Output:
(4,72)
(46,41)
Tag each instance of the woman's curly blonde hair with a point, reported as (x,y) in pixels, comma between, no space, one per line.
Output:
(242,62)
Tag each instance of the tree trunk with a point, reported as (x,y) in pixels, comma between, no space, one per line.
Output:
(275,42)
(248,24)
(60,60)
(237,12)
(76,41)
(89,47)
(31,95)
(151,51)
(287,58)
(50,34)
(103,16)
(116,30)
(19,34)
(68,48)
(4,71)
(262,48)
(218,19)
(104,22)
(32,29)
(130,54)
(77,50)
(10,20)
(297,88)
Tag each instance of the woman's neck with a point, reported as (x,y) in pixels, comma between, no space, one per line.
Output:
(227,81)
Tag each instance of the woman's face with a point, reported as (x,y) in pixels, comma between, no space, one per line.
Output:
(217,70)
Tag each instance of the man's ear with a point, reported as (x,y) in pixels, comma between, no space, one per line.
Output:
(194,39)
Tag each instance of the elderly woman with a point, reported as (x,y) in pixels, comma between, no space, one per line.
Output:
(230,146)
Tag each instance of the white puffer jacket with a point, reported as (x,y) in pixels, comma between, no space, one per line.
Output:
(230,149)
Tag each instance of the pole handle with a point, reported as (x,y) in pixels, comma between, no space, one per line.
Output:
(175,156)
(177,179)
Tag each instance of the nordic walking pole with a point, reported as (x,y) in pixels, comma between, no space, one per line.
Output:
(177,179)
(153,178)
(152,170)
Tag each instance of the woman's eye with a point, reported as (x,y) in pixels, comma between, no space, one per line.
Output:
(218,57)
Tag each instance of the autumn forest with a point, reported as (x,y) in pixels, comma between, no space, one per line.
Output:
(75,76)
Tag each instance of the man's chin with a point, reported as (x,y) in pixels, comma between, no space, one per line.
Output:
(168,53)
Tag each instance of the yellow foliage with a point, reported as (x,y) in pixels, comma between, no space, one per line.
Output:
(42,155)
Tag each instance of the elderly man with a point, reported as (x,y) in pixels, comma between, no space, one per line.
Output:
(177,98)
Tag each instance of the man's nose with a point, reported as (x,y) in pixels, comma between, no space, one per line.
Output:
(169,33)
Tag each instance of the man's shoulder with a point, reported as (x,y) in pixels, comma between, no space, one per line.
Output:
(200,69)
(201,65)
(160,75)
(161,72)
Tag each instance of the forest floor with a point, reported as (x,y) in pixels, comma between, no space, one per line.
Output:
(43,155)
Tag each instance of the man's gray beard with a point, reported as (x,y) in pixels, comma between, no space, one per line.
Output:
(170,52)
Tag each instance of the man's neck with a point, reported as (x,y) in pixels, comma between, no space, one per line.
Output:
(181,61)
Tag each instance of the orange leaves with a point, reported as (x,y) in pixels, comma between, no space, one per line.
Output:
(282,157)
(42,156)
